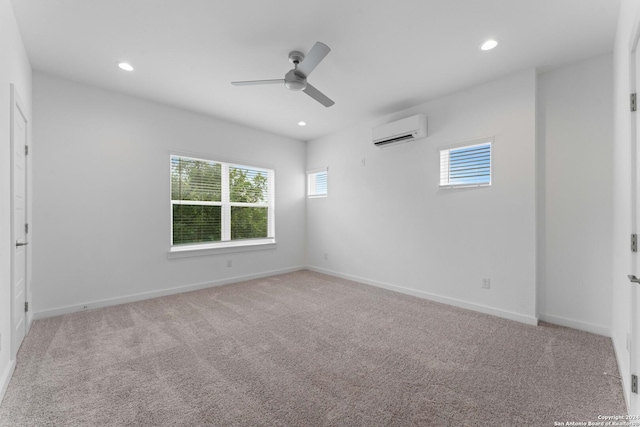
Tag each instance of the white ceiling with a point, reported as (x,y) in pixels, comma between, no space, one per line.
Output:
(386,55)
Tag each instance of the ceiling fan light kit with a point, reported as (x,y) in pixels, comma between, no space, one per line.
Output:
(296,79)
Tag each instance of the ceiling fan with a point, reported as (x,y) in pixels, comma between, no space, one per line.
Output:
(296,79)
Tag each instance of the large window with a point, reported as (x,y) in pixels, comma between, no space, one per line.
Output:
(466,166)
(220,204)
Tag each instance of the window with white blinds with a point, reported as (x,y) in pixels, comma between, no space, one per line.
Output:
(317,185)
(466,166)
(216,203)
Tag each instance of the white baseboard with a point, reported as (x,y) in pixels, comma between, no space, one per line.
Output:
(6,377)
(529,320)
(624,372)
(154,294)
(575,324)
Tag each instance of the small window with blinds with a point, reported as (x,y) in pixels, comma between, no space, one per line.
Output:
(219,204)
(317,183)
(466,166)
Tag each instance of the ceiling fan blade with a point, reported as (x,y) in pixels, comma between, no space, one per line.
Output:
(313,58)
(258,82)
(318,96)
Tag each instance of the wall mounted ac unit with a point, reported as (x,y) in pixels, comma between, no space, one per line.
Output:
(408,129)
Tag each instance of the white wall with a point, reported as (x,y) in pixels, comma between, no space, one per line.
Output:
(622,226)
(14,68)
(101,197)
(388,223)
(575,133)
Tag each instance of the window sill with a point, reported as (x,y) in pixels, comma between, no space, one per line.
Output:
(188,251)
(449,187)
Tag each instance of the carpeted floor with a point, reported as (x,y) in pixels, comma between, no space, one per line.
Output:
(305,349)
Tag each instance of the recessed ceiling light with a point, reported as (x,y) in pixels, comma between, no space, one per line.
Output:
(489,44)
(125,66)
(302,123)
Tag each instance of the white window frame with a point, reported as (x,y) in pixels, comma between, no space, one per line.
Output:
(311,190)
(226,245)
(445,163)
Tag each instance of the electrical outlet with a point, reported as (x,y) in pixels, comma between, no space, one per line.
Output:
(229,263)
(486,283)
(363,161)
(85,307)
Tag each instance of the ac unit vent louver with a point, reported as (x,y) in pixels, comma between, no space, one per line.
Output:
(407,129)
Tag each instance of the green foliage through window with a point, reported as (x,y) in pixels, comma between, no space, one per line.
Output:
(248,223)
(216,202)
(247,186)
(196,224)
(195,180)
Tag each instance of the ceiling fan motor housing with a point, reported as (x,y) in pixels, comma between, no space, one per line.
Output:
(294,81)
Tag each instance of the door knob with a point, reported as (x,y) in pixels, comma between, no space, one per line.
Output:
(18,244)
(633,278)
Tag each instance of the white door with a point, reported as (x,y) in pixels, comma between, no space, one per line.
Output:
(19,231)
(634,350)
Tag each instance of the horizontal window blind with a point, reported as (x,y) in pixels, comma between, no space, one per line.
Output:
(196,224)
(466,166)
(248,185)
(317,183)
(216,201)
(193,179)
(250,196)
(248,222)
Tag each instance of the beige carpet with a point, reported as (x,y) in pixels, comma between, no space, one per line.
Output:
(305,349)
